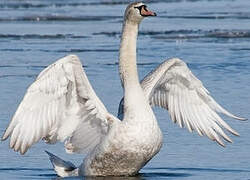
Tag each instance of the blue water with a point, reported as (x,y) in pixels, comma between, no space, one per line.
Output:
(212,36)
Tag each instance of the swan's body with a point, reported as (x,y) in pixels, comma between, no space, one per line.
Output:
(61,105)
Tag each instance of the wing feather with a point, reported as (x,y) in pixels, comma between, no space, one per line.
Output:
(173,86)
(59,101)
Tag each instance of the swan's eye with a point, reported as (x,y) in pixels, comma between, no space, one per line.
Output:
(141,7)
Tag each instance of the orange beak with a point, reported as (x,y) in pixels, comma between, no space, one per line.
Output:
(146,12)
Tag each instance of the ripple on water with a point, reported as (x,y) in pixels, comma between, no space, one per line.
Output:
(41,36)
(188,34)
(57,4)
(60,18)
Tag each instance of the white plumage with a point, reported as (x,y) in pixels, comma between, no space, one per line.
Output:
(174,87)
(59,104)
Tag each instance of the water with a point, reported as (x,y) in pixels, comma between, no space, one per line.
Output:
(212,36)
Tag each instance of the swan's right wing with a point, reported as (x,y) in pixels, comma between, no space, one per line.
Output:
(173,86)
(59,105)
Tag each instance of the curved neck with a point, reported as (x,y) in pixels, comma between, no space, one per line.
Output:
(127,58)
(136,107)
(133,93)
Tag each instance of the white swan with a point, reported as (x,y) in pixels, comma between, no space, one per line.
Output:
(61,105)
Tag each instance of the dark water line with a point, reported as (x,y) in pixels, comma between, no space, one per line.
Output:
(59,51)
(236,68)
(19,75)
(58,4)
(103,18)
(165,175)
(20,66)
(25,169)
(84,50)
(40,36)
(60,18)
(238,65)
(28,66)
(16,50)
(200,169)
(188,34)
(206,17)
(240,49)
(169,34)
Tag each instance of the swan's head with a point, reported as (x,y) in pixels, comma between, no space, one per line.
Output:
(135,12)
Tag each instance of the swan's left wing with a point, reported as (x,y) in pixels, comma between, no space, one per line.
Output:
(173,86)
(60,105)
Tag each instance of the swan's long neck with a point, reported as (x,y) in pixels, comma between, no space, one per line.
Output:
(136,106)
(127,61)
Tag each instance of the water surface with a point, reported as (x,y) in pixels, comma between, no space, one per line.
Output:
(212,36)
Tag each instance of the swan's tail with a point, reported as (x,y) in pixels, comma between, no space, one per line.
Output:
(62,168)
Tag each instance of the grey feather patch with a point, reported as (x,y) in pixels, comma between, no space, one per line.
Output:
(58,162)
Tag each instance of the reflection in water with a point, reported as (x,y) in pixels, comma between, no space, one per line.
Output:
(151,173)
(114,178)
(141,176)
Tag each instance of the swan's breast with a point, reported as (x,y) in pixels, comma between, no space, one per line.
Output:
(123,153)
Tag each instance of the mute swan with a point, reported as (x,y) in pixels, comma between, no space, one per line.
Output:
(62,106)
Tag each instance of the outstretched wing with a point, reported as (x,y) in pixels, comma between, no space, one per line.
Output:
(173,86)
(59,105)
